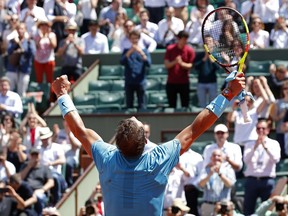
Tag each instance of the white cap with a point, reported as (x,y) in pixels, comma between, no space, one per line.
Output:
(220,127)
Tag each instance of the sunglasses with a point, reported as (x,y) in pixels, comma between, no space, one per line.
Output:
(261,128)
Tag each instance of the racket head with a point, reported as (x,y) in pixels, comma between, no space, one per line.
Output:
(225,36)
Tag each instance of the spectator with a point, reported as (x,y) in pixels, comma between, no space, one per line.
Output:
(149,145)
(96,197)
(225,208)
(259,38)
(278,34)
(168,28)
(178,61)
(30,128)
(59,13)
(116,32)
(135,61)
(22,192)
(178,208)
(145,26)
(31,15)
(260,159)
(90,208)
(108,14)
(207,75)
(280,203)
(231,152)
(39,177)
(137,6)
(156,9)
(21,53)
(7,203)
(203,7)
(71,50)
(71,146)
(6,167)
(216,181)
(87,9)
(10,102)
(248,9)
(175,187)
(180,8)
(263,96)
(278,114)
(44,61)
(283,9)
(7,125)
(243,132)
(94,41)
(16,152)
(145,42)
(277,78)
(53,156)
(191,171)
(232,157)
(227,36)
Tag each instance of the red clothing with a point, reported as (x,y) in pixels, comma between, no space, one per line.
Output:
(177,74)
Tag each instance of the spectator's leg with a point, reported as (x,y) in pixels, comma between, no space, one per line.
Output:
(129,92)
(191,194)
(201,94)
(267,186)
(42,200)
(212,90)
(141,97)
(70,165)
(49,68)
(39,71)
(171,92)
(251,195)
(23,83)
(13,77)
(184,94)
(156,14)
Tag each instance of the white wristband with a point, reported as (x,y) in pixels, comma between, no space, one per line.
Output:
(66,104)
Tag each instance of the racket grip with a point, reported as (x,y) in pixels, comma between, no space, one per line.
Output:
(244,110)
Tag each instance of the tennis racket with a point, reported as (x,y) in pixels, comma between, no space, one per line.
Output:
(226,40)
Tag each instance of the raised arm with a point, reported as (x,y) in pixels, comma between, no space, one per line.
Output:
(86,136)
(208,116)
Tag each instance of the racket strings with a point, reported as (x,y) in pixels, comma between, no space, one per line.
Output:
(229,36)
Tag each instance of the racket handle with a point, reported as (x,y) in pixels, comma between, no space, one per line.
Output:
(244,110)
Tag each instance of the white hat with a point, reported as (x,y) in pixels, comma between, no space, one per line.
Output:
(45,133)
(178,202)
(220,127)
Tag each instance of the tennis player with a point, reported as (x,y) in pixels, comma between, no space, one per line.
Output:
(133,183)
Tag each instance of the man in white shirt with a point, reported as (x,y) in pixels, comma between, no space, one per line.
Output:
(31,15)
(169,27)
(9,101)
(260,158)
(95,42)
(52,155)
(145,41)
(145,26)
(231,151)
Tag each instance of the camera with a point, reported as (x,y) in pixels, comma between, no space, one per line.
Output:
(224,209)
(89,210)
(279,206)
(175,209)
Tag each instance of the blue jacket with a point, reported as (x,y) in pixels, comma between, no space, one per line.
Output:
(26,59)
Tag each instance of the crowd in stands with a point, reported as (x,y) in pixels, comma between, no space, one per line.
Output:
(37,162)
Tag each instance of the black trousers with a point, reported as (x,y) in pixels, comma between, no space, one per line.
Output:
(191,194)
(173,89)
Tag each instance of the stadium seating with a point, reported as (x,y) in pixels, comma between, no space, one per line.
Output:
(258,68)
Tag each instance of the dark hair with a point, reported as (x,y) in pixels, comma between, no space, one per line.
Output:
(93,22)
(130,138)
(11,117)
(183,34)
(143,10)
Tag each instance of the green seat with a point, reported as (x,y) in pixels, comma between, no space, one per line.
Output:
(117,85)
(110,100)
(99,86)
(85,101)
(111,72)
(199,146)
(239,185)
(25,102)
(282,168)
(258,68)
(281,62)
(157,100)
(157,70)
(153,85)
